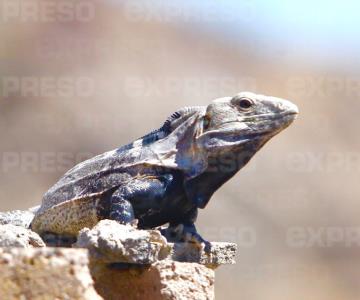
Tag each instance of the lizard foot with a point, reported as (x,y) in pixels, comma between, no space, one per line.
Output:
(187,234)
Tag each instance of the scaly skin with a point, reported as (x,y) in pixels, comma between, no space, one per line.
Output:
(165,176)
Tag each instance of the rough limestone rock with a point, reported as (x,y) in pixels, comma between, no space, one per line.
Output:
(111,242)
(45,273)
(162,280)
(125,263)
(221,254)
(21,218)
(16,236)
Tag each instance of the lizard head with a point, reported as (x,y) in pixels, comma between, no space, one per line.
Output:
(233,122)
(238,125)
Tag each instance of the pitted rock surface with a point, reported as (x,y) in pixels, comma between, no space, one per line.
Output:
(21,218)
(17,236)
(163,280)
(45,273)
(221,253)
(111,242)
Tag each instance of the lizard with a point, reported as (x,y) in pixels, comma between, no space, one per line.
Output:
(167,175)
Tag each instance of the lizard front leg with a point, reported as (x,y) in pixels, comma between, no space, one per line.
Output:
(121,209)
(139,196)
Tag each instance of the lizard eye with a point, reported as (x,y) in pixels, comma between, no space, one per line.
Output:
(245,103)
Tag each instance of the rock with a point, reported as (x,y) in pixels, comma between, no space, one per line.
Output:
(16,236)
(111,242)
(21,218)
(45,273)
(185,280)
(221,254)
(162,280)
(125,263)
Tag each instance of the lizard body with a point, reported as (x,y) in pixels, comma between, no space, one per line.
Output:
(167,175)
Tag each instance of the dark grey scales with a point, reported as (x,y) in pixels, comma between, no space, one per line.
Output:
(167,175)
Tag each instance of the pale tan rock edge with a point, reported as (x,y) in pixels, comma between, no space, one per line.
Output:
(45,273)
(163,280)
(60,273)
(17,236)
(110,242)
(112,261)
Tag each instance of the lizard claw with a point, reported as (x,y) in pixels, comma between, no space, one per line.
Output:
(187,234)
(134,223)
(200,242)
(207,247)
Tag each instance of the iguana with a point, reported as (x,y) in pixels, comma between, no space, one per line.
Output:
(168,174)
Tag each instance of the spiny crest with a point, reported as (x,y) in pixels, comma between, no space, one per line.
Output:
(170,124)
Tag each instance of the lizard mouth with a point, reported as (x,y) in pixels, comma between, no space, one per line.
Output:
(243,121)
(248,127)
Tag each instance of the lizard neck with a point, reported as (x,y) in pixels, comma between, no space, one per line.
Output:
(221,167)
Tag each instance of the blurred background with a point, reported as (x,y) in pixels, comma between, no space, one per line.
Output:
(79,78)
